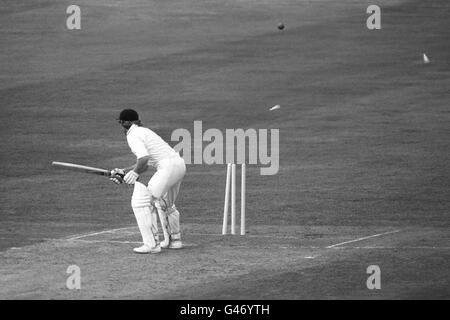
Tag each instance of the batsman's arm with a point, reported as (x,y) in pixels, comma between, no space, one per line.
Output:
(140,167)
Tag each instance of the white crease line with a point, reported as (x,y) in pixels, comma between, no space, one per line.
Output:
(78,237)
(96,233)
(363,238)
(407,247)
(96,241)
(113,241)
(190,233)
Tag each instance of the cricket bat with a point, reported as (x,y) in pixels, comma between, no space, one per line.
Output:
(81,168)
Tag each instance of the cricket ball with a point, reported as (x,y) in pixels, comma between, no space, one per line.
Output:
(280,26)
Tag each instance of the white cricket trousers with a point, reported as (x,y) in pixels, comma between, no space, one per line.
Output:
(165,183)
(163,187)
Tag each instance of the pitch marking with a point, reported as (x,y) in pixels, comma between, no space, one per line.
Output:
(105,241)
(407,247)
(363,238)
(76,237)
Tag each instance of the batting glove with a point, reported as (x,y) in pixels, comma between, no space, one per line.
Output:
(131,177)
(117,176)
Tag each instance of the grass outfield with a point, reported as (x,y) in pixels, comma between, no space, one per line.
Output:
(364,145)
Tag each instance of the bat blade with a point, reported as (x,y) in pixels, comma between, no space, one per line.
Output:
(81,168)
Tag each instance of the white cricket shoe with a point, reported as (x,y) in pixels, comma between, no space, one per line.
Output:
(147,249)
(175,244)
(171,243)
(165,243)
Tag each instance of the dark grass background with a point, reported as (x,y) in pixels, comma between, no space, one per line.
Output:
(364,124)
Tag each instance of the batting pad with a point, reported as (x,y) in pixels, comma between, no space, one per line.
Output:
(145,214)
(172,217)
(141,196)
(146,221)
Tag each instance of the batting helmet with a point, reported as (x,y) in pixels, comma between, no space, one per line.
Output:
(128,115)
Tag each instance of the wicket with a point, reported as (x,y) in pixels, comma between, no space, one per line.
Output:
(231,184)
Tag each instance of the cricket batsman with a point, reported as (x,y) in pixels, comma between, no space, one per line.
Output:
(157,198)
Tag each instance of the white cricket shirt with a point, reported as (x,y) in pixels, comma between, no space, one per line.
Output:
(144,142)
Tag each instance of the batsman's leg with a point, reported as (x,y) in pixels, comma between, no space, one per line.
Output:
(172,215)
(157,186)
(145,215)
(164,223)
(165,186)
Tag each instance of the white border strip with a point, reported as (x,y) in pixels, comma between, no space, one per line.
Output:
(363,238)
